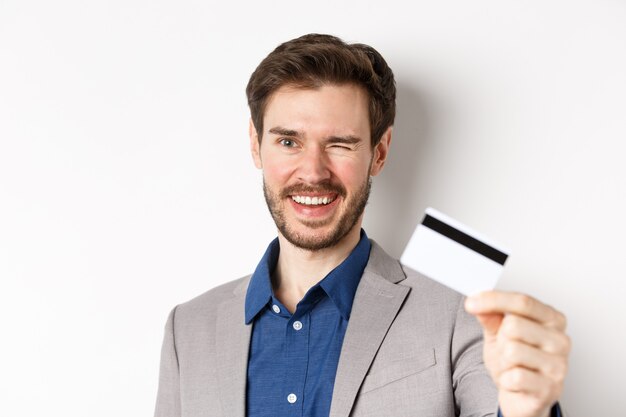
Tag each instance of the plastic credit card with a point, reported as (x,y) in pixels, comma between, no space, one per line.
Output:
(451,253)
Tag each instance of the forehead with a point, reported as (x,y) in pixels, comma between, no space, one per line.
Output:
(336,107)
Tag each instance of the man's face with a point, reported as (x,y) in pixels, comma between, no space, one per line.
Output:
(317,159)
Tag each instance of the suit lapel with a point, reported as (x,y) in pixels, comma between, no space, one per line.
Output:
(231,349)
(376,304)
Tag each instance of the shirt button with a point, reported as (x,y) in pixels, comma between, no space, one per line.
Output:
(276,309)
(292,398)
(297,325)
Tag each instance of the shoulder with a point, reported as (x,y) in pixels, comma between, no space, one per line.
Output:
(426,288)
(384,266)
(208,304)
(429,306)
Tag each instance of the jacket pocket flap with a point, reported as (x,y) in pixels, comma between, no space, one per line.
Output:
(398,370)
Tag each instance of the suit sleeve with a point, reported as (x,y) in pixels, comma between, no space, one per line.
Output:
(554,412)
(168,396)
(474,391)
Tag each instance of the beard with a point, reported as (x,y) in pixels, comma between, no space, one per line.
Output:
(353,209)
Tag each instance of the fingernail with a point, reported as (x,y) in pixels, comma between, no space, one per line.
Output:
(471,303)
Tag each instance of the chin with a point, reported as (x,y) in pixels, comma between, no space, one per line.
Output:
(315,239)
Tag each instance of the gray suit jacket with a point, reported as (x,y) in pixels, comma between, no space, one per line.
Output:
(410,350)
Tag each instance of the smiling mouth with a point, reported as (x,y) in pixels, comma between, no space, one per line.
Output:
(312,201)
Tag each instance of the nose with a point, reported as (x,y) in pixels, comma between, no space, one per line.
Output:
(314,166)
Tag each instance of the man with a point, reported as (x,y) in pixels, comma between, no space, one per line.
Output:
(329,324)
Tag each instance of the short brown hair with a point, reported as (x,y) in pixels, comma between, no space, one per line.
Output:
(313,60)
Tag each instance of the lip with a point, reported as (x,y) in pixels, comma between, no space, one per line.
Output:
(314,197)
(319,211)
(310,194)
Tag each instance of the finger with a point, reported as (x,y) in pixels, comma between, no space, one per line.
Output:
(524,380)
(535,334)
(520,304)
(516,354)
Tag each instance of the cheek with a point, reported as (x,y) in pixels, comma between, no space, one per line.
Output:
(276,170)
(352,174)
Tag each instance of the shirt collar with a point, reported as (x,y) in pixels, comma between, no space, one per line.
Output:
(260,288)
(340,284)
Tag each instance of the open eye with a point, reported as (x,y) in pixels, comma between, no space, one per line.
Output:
(288,143)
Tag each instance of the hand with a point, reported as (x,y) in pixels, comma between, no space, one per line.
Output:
(526,350)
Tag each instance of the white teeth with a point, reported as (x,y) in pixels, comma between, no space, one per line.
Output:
(311,201)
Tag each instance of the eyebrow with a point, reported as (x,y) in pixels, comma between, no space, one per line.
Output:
(348,139)
(284,132)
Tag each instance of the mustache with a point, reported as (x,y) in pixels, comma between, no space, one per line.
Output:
(325,188)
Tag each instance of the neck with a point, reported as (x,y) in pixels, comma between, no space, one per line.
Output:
(298,269)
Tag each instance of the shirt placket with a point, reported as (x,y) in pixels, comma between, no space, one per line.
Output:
(297,335)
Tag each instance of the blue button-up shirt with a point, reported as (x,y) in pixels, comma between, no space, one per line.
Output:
(293,357)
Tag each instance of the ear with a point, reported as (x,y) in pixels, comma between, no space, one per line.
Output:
(380,152)
(255,146)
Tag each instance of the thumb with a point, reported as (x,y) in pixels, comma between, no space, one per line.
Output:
(490,323)
(478,306)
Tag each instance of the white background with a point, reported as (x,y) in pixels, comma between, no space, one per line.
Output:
(126,185)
